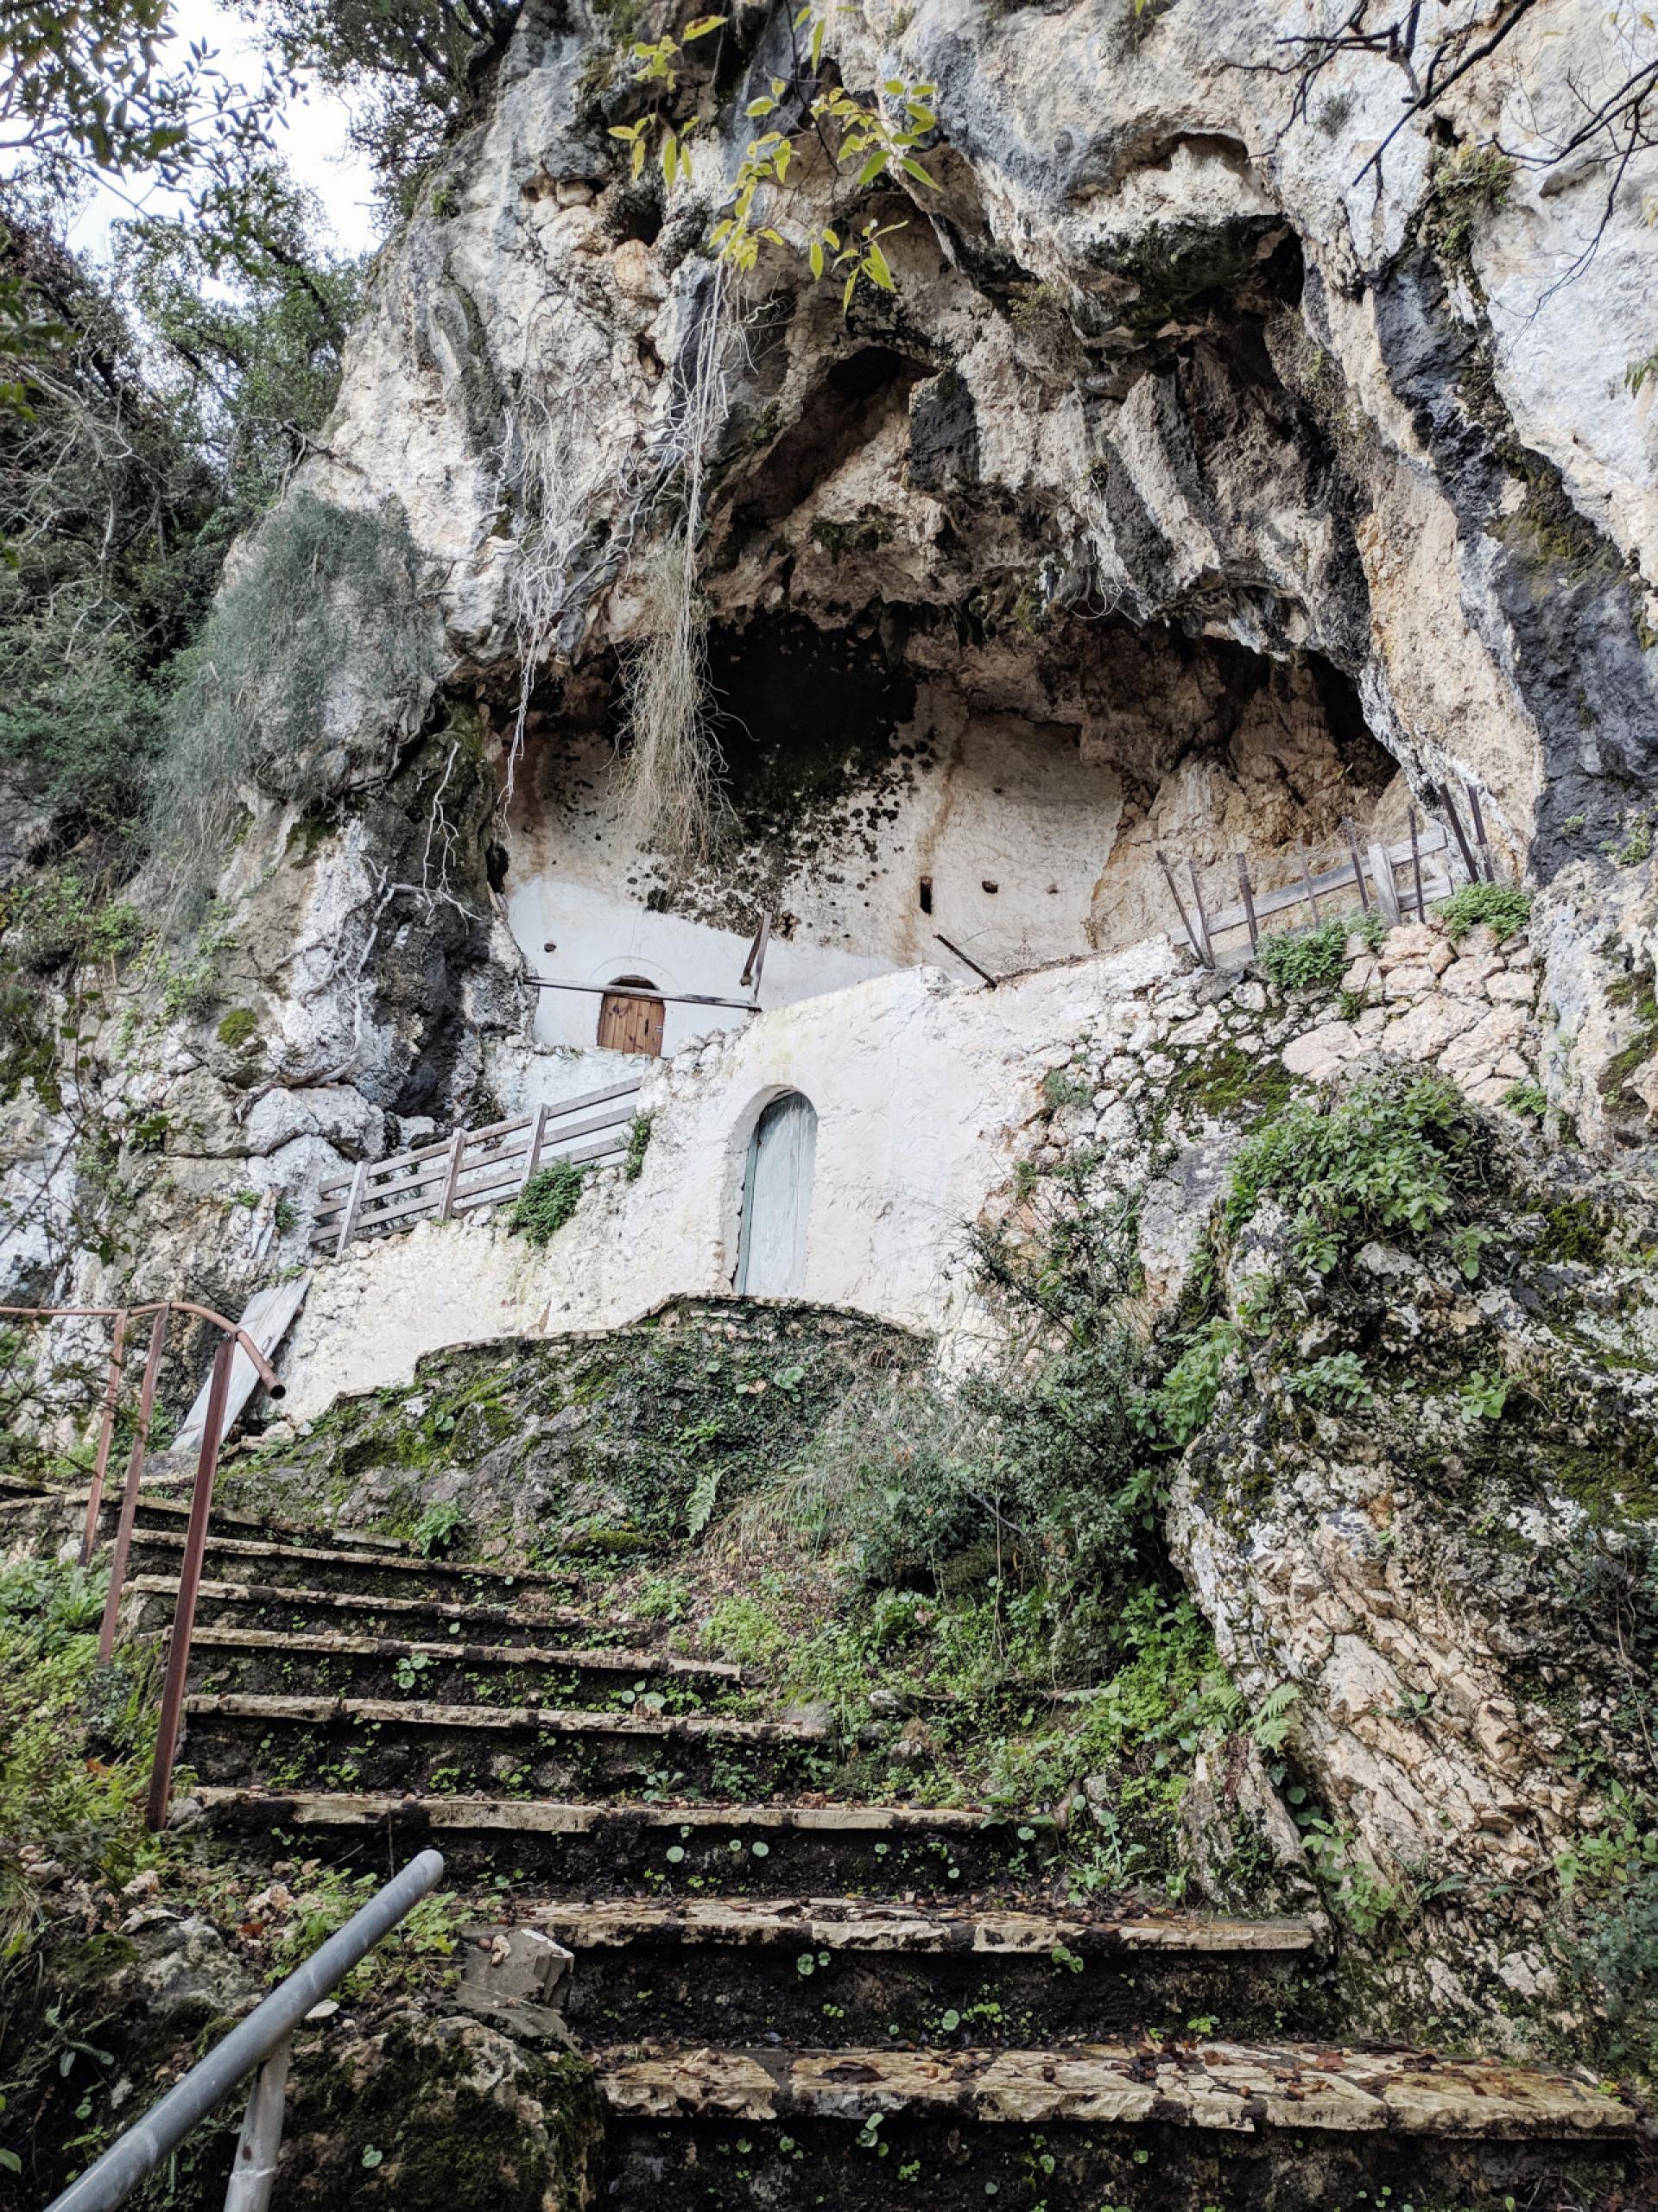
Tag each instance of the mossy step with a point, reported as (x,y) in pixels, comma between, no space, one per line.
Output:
(1295,2127)
(534,1751)
(293,1606)
(452,1670)
(585,1848)
(705,1970)
(1298,2087)
(334,1567)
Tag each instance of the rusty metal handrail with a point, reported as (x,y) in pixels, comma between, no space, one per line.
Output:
(231,1335)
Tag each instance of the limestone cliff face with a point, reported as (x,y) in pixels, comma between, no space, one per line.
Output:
(1155,356)
(1256,472)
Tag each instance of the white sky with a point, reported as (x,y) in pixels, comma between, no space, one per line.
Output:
(313,143)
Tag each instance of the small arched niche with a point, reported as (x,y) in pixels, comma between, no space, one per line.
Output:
(630,1018)
(777,1199)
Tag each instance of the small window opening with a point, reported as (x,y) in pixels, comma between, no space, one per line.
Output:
(926,895)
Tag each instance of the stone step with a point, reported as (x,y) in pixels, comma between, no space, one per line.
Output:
(663,1849)
(1230,2085)
(283,1606)
(454,1672)
(170,1514)
(334,1567)
(832,1970)
(529,1751)
(1291,2126)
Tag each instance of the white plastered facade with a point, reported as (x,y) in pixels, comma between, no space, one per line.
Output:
(921,1084)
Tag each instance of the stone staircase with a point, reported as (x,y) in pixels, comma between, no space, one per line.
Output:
(792,1999)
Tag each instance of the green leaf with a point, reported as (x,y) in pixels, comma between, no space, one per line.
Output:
(817,47)
(912,167)
(638,157)
(874,262)
(627,130)
(815,256)
(701,26)
(847,296)
(873,166)
(764,106)
(11,2163)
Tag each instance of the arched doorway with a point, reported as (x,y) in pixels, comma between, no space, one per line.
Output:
(777,1199)
(628,1022)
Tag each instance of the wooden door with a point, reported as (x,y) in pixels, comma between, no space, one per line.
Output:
(630,1023)
(777,1200)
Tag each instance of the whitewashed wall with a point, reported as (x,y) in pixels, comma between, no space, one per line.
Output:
(1009,823)
(921,1085)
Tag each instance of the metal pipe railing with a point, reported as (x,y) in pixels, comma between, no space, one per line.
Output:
(121,1315)
(259,2045)
(231,1335)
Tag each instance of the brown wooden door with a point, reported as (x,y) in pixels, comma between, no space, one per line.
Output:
(630,1025)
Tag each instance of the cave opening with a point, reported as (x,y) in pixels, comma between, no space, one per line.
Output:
(984,792)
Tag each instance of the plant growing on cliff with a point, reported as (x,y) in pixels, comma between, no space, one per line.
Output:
(1502,907)
(870,136)
(1306,959)
(547,1200)
(1384,1157)
(1465,189)
(639,1131)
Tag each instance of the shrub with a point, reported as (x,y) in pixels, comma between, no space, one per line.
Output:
(1502,907)
(1384,1157)
(1306,959)
(547,1200)
(267,688)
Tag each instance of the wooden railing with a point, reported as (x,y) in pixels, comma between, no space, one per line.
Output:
(1319,893)
(474,1168)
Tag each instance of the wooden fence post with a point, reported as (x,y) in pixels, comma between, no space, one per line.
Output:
(1207,953)
(1248,902)
(446,1203)
(348,1219)
(1169,878)
(1480,838)
(532,1157)
(1358,865)
(1455,819)
(1416,867)
(1387,890)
